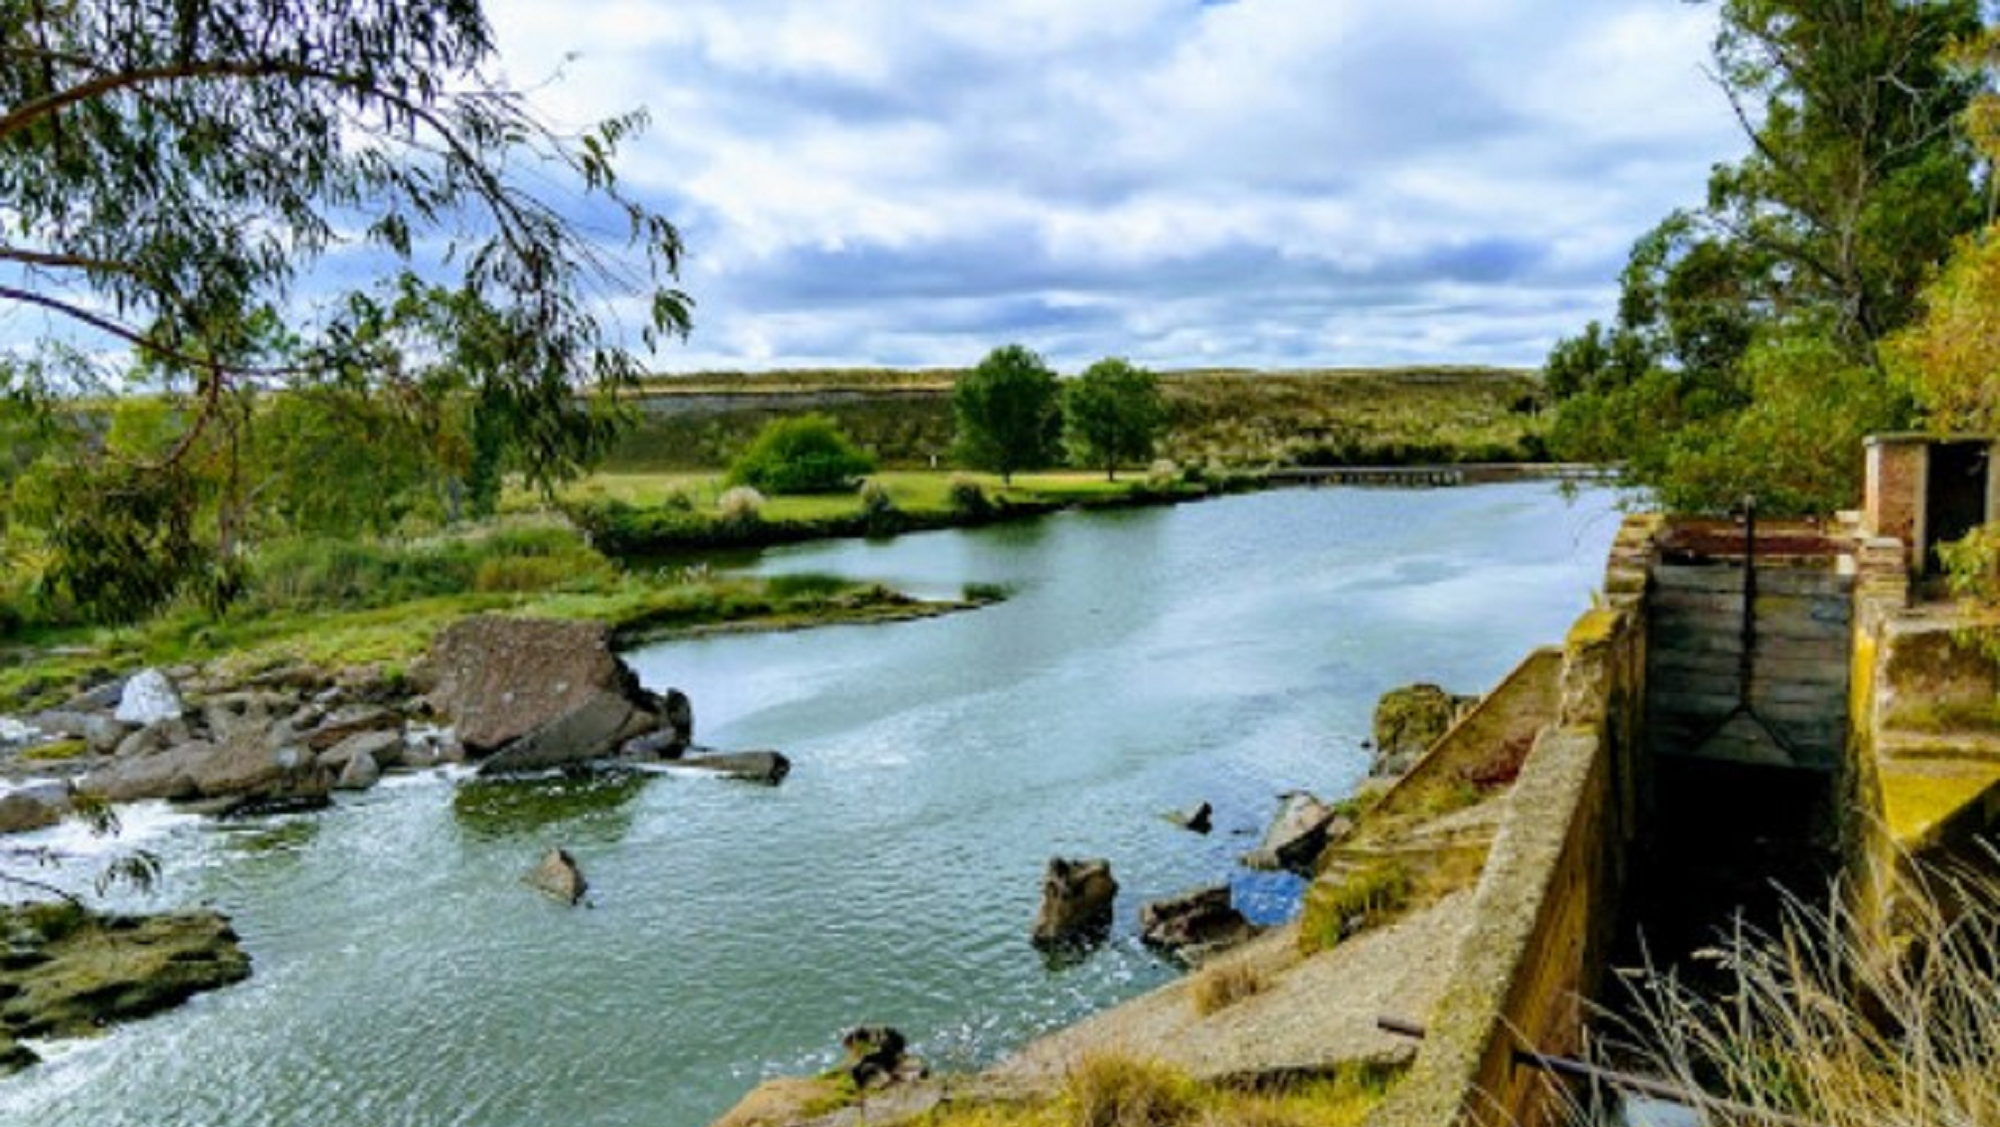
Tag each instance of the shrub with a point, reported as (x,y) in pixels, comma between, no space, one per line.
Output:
(741,505)
(1162,475)
(1335,909)
(875,499)
(801,454)
(677,501)
(966,495)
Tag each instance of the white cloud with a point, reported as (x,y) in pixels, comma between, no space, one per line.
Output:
(1272,182)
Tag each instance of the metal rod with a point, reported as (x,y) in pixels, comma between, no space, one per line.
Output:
(1746,662)
(1625,1081)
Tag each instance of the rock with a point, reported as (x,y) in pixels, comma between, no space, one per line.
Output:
(767,767)
(154,738)
(90,970)
(359,773)
(558,877)
(1198,820)
(1076,901)
(1295,836)
(97,729)
(235,714)
(1408,721)
(500,679)
(148,698)
(384,749)
(14,733)
(877,1057)
(269,764)
(348,720)
(676,714)
(33,807)
(660,744)
(166,774)
(1194,924)
(592,730)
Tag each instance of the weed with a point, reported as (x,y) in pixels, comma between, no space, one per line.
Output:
(1336,908)
(1117,1091)
(1224,984)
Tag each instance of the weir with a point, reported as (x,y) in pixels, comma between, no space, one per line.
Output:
(1730,723)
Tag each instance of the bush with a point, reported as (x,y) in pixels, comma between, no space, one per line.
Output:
(1335,909)
(741,505)
(875,499)
(1223,985)
(802,454)
(966,495)
(1114,1091)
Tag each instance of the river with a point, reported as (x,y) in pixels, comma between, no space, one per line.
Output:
(1145,660)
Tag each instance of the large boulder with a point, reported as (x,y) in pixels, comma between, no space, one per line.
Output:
(1409,720)
(530,693)
(1295,836)
(148,698)
(1194,924)
(1076,901)
(167,774)
(267,764)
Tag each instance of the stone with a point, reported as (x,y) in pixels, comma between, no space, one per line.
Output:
(499,679)
(1076,901)
(33,807)
(347,720)
(1194,924)
(385,749)
(97,729)
(148,698)
(878,1056)
(165,774)
(359,773)
(92,969)
(1199,820)
(659,745)
(1408,720)
(593,730)
(558,877)
(244,713)
(1295,837)
(98,698)
(154,738)
(767,767)
(269,763)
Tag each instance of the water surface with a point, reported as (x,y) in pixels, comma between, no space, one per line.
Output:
(1147,660)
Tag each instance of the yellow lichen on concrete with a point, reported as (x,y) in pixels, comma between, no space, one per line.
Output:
(1917,804)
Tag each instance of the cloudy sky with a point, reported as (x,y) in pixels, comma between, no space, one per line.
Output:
(1263,183)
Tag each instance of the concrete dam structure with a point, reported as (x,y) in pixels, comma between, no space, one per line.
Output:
(1745,708)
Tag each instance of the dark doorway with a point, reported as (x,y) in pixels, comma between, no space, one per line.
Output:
(1954,496)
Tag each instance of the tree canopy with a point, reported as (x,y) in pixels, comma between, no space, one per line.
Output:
(175,172)
(1757,316)
(1007,412)
(1112,414)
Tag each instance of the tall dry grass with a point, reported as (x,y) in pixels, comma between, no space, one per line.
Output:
(1823,1023)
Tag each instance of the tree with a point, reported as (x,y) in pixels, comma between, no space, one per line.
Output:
(1112,413)
(1855,186)
(1006,412)
(172,169)
(802,454)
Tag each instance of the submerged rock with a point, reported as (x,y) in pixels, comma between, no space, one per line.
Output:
(1198,820)
(69,972)
(766,767)
(558,877)
(1076,901)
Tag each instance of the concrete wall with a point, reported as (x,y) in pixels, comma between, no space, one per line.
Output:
(1547,900)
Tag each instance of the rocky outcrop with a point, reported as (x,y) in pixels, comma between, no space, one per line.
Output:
(528,694)
(558,877)
(1409,720)
(1076,901)
(878,1056)
(1295,837)
(68,972)
(1194,925)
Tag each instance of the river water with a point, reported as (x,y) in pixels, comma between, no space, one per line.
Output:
(1146,660)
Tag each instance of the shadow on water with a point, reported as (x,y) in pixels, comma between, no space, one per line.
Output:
(506,808)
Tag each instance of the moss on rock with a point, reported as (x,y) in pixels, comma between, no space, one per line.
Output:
(68,972)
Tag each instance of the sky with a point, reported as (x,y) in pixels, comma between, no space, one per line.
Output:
(1255,183)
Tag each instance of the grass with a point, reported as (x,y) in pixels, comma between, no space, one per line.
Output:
(1119,1091)
(1373,894)
(1219,986)
(1828,1023)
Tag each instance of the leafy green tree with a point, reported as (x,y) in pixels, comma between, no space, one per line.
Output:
(800,454)
(1112,414)
(171,170)
(1856,184)
(1007,413)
